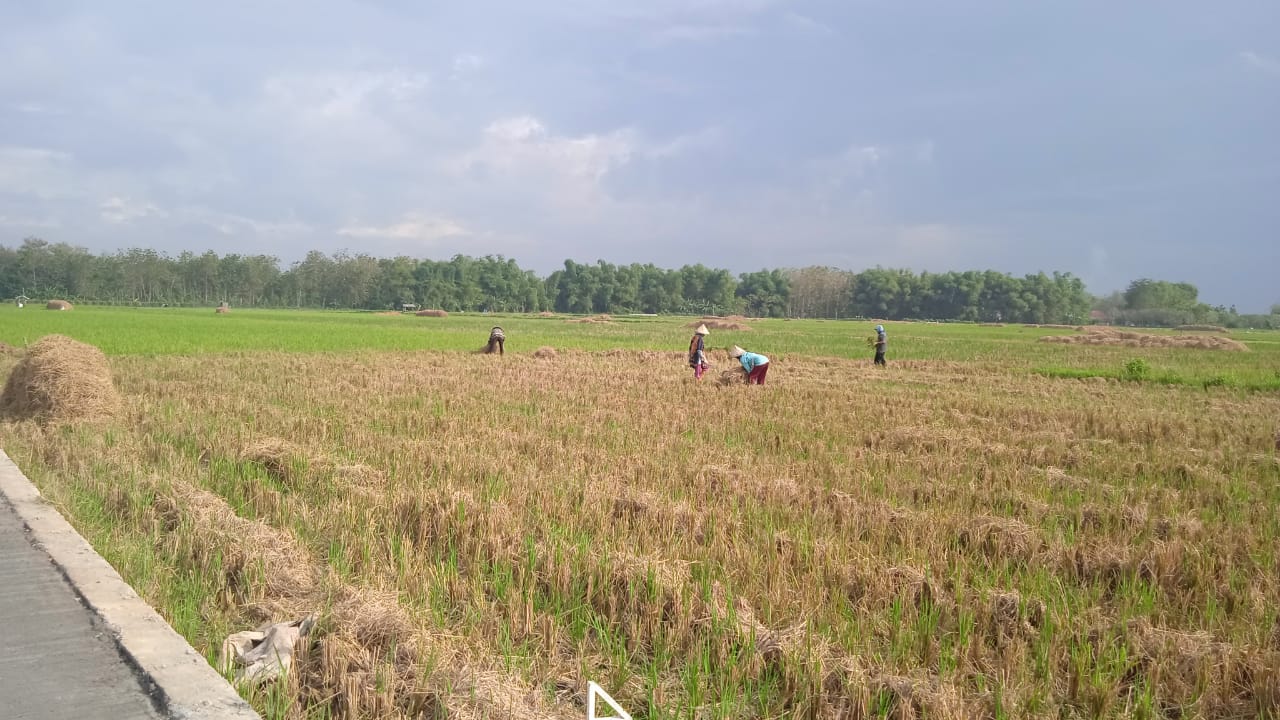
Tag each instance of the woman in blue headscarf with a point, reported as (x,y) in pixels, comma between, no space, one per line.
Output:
(882,343)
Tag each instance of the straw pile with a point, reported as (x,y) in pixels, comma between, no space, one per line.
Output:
(602,318)
(58,305)
(731,322)
(545,353)
(59,380)
(432,313)
(1202,328)
(1112,336)
(222,309)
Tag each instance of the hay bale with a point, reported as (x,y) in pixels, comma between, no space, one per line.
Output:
(1098,335)
(732,322)
(602,318)
(275,455)
(432,313)
(58,380)
(58,305)
(545,353)
(733,376)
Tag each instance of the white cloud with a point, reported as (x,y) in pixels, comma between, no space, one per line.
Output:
(1261,62)
(233,225)
(924,152)
(706,138)
(33,171)
(29,222)
(804,23)
(412,226)
(522,146)
(344,93)
(701,33)
(118,210)
(466,63)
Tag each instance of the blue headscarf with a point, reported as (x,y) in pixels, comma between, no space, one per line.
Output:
(880,329)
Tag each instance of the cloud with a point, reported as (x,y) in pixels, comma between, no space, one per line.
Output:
(521,145)
(412,226)
(29,222)
(701,33)
(120,210)
(1264,63)
(344,93)
(804,23)
(924,152)
(465,64)
(34,171)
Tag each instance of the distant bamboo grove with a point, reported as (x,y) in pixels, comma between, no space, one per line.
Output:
(41,270)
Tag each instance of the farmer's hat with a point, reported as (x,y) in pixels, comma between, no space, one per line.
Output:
(736,352)
(702,330)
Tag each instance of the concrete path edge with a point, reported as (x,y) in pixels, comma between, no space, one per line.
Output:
(191,689)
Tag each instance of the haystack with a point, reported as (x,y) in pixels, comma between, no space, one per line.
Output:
(732,322)
(278,457)
(58,305)
(733,376)
(545,353)
(59,380)
(601,318)
(222,309)
(432,313)
(1099,335)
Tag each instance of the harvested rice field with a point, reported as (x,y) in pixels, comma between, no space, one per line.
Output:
(991,527)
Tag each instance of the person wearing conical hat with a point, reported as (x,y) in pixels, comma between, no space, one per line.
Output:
(698,352)
(756,365)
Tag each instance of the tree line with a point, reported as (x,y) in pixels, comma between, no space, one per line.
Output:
(140,276)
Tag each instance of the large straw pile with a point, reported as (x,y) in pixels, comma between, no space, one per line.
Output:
(602,318)
(732,322)
(432,313)
(1125,338)
(59,380)
(58,305)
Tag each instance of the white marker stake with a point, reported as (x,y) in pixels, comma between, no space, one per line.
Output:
(592,691)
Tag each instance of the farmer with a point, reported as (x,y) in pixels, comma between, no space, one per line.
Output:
(882,343)
(496,340)
(698,352)
(756,365)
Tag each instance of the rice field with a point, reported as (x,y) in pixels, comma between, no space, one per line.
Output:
(991,527)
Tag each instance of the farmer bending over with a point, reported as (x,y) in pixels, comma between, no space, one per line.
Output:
(496,340)
(756,365)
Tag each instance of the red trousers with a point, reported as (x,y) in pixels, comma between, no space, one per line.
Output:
(756,376)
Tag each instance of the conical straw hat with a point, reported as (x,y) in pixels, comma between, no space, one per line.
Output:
(702,330)
(736,351)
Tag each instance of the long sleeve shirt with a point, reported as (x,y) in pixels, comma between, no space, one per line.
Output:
(750,361)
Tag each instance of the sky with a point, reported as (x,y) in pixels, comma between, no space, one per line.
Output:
(1110,140)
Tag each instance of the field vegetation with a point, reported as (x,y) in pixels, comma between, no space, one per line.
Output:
(991,527)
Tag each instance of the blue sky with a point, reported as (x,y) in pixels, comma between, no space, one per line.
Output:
(1111,140)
